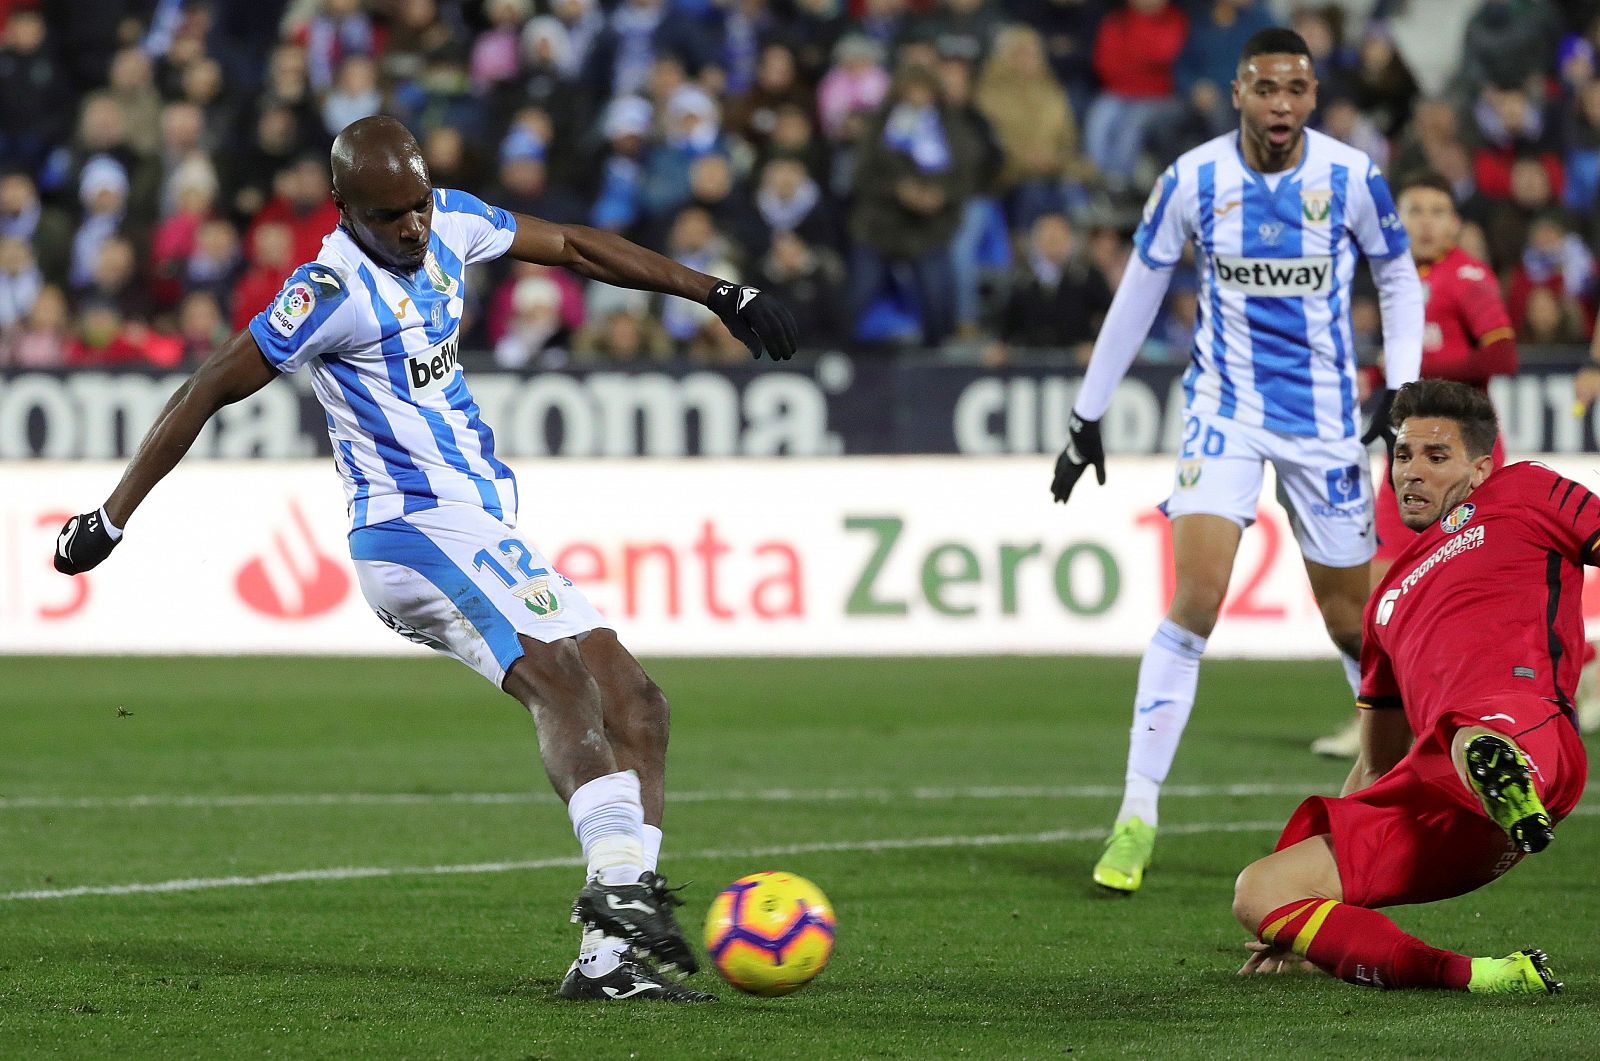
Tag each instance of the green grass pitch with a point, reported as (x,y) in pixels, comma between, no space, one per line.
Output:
(949,807)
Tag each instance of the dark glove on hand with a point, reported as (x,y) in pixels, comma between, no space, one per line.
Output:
(756,319)
(1379,426)
(83,543)
(1083,449)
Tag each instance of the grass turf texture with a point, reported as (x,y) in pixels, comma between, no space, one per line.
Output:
(1003,950)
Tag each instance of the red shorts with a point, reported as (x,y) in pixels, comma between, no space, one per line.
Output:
(1392,533)
(1419,834)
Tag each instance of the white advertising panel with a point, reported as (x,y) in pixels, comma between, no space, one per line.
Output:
(856,556)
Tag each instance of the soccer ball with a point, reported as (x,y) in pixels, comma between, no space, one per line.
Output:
(770,933)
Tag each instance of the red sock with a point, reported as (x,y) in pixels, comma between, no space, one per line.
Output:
(1362,946)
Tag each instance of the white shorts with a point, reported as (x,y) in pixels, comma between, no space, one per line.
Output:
(1325,484)
(456,579)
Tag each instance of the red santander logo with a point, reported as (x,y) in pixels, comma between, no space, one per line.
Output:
(293,580)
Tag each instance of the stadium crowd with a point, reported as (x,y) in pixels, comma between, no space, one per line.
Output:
(900,172)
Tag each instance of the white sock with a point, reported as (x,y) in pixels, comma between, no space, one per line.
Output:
(652,847)
(1168,675)
(608,818)
(1352,673)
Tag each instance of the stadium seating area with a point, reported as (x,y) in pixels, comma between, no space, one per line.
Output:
(902,172)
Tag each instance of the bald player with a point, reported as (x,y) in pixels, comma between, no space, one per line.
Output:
(376,320)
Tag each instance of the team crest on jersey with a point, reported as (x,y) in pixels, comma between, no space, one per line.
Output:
(442,281)
(1189,473)
(292,308)
(1458,517)
(1316,204)
(540,598)
(1152,201)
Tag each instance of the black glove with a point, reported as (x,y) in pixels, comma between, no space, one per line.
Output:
(1083,449)
(756,319)
(83,543)
(1379,426)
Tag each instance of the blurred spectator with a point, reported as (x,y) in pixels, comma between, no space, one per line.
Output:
(624,333)
(1508,42)
(20,283)
(1342,120)
(536,333)
(693,129)
(914,175)
(882,20)
(451,161)
(41,341)
(629,44)
(1134,54)
(192,191)
(289,86)
(272,259)
(523,183)
(116,280)
(790,200)
(1069,28)
(133,83)
(103,192)
(419,35)
(1506,222)
(1331,61)
(1109,251)
(1057,299)
(35,93)
(812,29)
(215,264)
(959,29)
(1382,85)
(736,49)
(249,175)
(1583,151)
(103,134)
(336,30)
(585,26)
(24,217)
(810,281)
(1554,260)
(203,86)
(982,240)
(754,115)
(1544,319)
(548,77)
(302,199)
(619,203)
(496,51)
(713,344)
(1032,120)
(695,242)
(182,128)
(354,94)
(105,340)
(499,310)
(1204,72)
(1510,126)
(202,327)
(795,136)
(856,84)
(712,188)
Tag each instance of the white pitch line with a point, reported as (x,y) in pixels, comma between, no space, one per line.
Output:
(770,795)
(910,843)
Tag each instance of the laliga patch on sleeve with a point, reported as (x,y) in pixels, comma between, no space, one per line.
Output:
(292,308)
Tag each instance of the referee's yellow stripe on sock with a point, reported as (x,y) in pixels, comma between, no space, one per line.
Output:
(1302,942)
(1269,934)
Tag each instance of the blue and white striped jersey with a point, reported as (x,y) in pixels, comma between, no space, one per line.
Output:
(383,354)
(1276,255)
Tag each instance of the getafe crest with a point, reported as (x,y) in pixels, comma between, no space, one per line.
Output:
(1316,204)
(441,280)
(1458,517)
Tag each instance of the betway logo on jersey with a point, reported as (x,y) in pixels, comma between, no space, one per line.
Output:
(1280,277)
(431,369)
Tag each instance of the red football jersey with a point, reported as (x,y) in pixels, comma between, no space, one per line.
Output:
(1464,313)
(1487,600)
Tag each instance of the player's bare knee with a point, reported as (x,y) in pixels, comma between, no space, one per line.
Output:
(644,721)
(1196,607)
(1250,904)
(1346,638)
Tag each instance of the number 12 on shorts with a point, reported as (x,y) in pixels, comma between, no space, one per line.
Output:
(1210,447)
(518,554)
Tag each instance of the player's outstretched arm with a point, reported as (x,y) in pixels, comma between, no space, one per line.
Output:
(1133,310)
(233,373)
(756,318)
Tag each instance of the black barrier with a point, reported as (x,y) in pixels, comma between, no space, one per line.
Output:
(833,406)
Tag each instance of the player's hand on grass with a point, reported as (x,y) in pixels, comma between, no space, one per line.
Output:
(756,319)
(1266,958)
(1379,426)
(1083,449)
(83,542)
